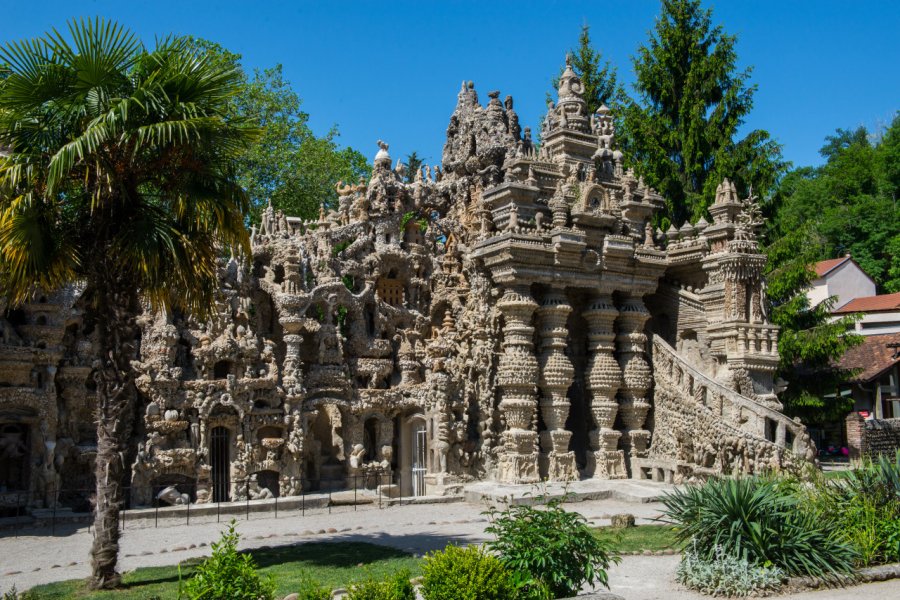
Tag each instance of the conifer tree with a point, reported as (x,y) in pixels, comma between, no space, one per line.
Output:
(599,77)
(680,133)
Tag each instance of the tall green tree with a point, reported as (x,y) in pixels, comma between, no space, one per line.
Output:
(810,341)
(413,164)
(850,202)
(119,173)
(289,165)
(681,132)
(599,77)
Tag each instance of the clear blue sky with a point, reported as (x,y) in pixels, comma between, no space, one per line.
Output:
(391,69)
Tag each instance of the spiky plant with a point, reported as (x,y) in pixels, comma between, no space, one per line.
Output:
(116,172)
(759,520)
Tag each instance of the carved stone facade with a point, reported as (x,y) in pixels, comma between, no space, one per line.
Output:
(511,315)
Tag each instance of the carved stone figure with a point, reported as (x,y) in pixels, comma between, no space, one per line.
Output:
(449,308)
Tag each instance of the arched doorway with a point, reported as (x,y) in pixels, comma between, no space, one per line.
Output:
(14,468)
(220,459)
(419,456)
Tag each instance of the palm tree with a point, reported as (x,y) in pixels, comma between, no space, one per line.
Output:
(117,173)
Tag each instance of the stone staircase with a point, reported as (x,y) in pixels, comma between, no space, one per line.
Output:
(703,428)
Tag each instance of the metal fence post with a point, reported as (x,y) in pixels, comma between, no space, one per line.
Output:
(18,506)
(53,517)
(302,499)
(188,513)
(248,499)
(355,487)
(276,507)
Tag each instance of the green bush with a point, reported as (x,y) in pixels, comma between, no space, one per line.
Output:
(468,573)
(549,545)
(227,575)
(13,594)
(865,508)
(726,575)
(761,521)
(394,587)
(310,589)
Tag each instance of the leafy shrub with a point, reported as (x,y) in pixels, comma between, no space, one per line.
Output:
(865,508)
(394,587)
(467,573)
(310,589)
(761,521)
(13,594)
(726,574)
(546,543)
(227,574)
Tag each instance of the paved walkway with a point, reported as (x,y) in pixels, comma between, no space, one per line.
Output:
(40,558)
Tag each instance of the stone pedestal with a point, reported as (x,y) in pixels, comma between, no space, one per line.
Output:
(605,461)
(636,376)
(517,375)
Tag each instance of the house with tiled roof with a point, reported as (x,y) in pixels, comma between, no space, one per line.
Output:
(875,385)
(842,278)
(880,314)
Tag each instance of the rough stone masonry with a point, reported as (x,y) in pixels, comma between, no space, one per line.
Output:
(510,315)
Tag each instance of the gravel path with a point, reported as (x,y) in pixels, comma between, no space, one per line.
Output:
(38,558)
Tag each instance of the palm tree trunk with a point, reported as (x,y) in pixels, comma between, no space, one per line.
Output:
(115,322)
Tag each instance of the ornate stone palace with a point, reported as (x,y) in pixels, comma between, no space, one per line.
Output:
(511,315)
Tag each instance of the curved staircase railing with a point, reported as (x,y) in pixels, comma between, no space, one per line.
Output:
(704,428)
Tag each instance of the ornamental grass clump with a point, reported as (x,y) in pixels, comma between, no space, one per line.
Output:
(761,521)
(549,549)
(227,575)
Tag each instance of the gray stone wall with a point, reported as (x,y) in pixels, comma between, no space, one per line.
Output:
(870,438)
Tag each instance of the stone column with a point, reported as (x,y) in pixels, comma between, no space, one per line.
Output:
(556,377)
(636,374)
(604,377)
(517,378)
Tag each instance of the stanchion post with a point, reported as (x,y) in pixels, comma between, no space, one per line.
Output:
(248,499)
(53,516)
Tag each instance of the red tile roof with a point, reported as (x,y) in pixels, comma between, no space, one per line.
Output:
(871,304)
(824,267)
(872,357)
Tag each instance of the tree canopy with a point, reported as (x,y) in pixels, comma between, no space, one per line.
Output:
(849,203)
(118,172)
(680,133)
(289,165)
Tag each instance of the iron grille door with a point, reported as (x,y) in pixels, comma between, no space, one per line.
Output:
(420,463)
(219,454)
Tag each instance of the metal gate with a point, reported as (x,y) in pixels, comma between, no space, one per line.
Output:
(219,456)
(420,459)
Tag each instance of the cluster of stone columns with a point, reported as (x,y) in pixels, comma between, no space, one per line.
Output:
(617,381)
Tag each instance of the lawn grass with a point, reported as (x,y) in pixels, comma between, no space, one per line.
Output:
(331,563)
(640,538)
(336,564)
